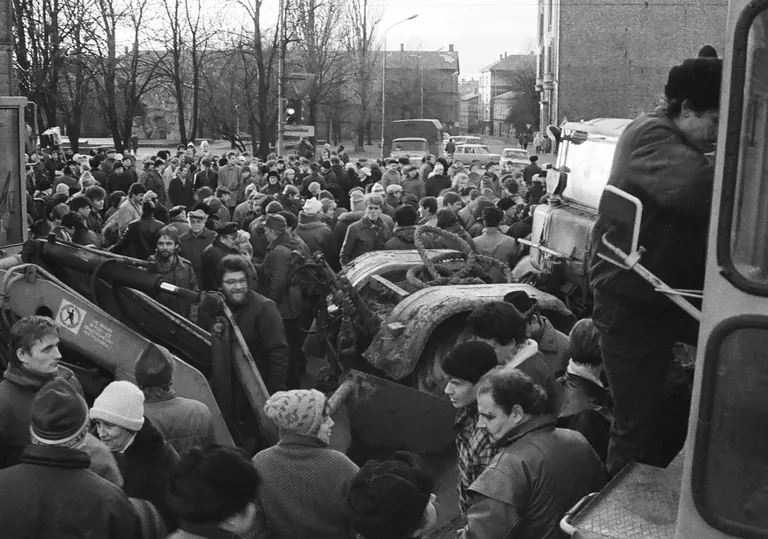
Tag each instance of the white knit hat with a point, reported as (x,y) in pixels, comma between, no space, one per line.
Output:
(299,410)
(312,206)
(122,404)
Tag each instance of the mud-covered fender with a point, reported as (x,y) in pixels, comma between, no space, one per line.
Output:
(397,347)
(364,267)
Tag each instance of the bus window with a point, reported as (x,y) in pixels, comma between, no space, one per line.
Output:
(749,224)
(731,462)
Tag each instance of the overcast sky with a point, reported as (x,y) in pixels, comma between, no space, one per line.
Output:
(480,30)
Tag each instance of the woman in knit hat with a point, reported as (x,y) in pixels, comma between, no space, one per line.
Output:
(392,499)
(142,454)
(303,482)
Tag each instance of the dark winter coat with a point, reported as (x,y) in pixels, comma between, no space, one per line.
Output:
(586,408)
(674,182)
(118,182)
(274,274)
(363,237)
(262,327)
(212,255)
(435,185)
(193,246)
(207,178)
(145,466)
(17,391)
(414,186)
(402,238)
(153,181)
(305,183)
(52,493)
(140,239)
(184,423)
(181,193)
(179,273)
(317,235)
(553,345)
(528,487)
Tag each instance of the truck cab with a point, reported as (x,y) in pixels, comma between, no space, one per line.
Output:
(562,225)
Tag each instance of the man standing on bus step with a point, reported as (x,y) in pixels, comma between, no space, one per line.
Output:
(661,159)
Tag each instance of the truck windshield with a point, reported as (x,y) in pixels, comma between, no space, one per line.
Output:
(589,162)
(409,146)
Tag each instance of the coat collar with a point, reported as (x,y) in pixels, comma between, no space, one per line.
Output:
(292,439)
(547,337)
(25,378)
(526,351)
(591,374)
(56,457)
(536,423)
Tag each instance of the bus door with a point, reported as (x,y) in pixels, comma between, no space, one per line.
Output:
(725,483)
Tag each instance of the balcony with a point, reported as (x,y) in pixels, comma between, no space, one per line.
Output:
(539,84)
(549,81)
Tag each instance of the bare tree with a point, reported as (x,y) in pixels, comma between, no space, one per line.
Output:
(257,51)
(362,21)
(74,84)
(121,82)
(39,54)
(318,37)
(184,40)
(525,109)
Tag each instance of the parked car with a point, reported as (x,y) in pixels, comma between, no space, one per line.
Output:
(517,156)
(468,153)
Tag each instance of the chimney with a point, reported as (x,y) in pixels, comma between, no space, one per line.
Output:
(501,57)
(402,47)
(450,47)
(126,50)
(505,54)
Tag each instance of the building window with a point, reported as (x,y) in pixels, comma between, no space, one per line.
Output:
(550,60)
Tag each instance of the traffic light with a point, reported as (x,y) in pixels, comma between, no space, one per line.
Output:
(293,112)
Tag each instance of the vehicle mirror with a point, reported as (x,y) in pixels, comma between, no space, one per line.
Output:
(622,212)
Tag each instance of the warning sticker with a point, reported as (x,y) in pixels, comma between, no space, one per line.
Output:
(70,316)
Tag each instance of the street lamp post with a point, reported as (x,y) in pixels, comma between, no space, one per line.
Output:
(384,80)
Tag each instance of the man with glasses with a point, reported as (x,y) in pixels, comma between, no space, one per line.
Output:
(368,234)
(258,319)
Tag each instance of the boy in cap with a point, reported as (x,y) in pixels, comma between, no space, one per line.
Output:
(464,366)
(52,489)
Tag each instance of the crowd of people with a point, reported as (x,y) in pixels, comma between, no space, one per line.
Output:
(142,462)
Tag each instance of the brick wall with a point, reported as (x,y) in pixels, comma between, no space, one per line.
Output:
(614,57)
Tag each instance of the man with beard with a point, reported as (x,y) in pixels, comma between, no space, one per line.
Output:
(193,242)
(258,319)
(174,269)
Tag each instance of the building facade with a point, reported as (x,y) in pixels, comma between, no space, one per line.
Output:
(423,84)
(612,58)
(469,113)
(499,78)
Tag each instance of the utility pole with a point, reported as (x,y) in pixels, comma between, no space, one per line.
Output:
(384,80)
(281,80)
